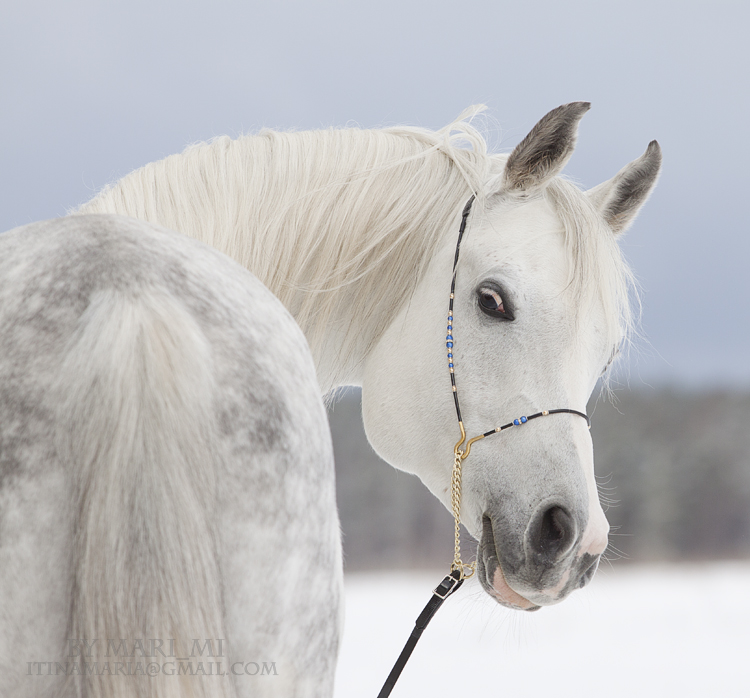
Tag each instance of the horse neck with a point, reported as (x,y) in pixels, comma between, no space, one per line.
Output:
(339,225)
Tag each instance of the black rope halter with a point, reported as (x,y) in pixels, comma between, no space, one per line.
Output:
(459,570)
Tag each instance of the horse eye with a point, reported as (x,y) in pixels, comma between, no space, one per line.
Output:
(491,302)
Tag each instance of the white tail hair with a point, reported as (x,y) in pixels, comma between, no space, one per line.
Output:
(137,431)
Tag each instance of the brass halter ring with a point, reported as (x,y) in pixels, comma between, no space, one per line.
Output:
(464,569)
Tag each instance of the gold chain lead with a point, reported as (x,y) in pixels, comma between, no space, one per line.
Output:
(466,570)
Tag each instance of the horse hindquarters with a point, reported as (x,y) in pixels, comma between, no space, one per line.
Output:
(192,470)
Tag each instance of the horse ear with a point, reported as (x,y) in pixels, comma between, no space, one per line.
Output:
(544,152)
(620,198)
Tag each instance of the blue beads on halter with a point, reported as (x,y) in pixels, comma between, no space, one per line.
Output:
(449,341)
(449,336)
(521,420)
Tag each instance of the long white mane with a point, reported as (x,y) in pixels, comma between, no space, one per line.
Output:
(332,221)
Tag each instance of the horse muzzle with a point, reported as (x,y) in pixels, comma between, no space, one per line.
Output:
(552,557)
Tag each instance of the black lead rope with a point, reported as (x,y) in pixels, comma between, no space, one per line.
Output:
(448,586)
(458,573)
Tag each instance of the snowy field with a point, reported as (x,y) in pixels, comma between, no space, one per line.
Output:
(635,632)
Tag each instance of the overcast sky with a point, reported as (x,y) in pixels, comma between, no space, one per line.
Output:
(91,90)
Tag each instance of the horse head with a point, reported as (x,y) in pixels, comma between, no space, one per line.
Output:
(540,309)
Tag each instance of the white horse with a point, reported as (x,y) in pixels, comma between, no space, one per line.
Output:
(166,468)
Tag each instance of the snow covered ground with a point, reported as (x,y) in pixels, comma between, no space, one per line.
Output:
(635,632)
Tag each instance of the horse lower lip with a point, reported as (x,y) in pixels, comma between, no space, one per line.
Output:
(506,595)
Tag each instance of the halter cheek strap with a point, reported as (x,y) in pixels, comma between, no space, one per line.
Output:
(459,570)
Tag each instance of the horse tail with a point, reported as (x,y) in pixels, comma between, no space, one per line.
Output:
(137,433)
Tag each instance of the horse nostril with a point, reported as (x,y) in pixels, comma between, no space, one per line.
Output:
(553,533)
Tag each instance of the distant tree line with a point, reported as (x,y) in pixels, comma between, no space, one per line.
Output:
(673,469)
